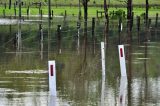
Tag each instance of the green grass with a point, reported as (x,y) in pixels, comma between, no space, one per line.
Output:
(73,11)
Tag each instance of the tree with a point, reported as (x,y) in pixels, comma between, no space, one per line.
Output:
(85,6)
(147,8)
(10,4)
(105,9)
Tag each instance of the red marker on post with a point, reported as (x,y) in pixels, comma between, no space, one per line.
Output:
(122,60)
(52,77)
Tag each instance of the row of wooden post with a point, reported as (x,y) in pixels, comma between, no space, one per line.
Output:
(119,28)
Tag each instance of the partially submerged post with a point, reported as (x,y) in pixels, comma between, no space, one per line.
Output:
(97,13)
(156,23)
(138,28)
(59,38)
(5,5)
(119,30)
(28,12)
(93,35)
(4,13)
(65,14)
(41,40)
(52,77)
(103,58)
(52,13)
(78,37)
(122,60)
(15,13)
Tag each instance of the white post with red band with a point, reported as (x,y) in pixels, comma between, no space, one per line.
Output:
(122,60)
(52,77)
(103,58)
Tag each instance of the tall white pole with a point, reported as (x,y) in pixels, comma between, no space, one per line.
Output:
(103,58)
(52,77)
(122,60)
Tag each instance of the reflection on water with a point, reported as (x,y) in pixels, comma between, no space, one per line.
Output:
(103,92)
(122,91)
(24,75)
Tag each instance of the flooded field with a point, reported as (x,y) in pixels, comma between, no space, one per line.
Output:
(26,46)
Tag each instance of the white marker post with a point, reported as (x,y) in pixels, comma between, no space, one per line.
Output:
(122,60)
(103,58)
(52,77)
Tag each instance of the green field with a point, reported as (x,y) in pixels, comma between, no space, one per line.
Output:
(91,2)
(73,11)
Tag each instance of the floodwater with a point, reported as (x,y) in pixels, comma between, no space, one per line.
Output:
(26,46)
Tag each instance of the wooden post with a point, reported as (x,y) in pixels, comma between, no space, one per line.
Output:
(39,9)
(41,12)
(59,38)
(138,28)
(149,23)
(15,12)
(41,40)
(101,14)
(93,27)
(97,13)
(144,17)
(4,13)
(120,29)
(28,12)
(132,20)
(5,5)
(156,24)
(149,31)
(78,33)
(65,13)
(93,35)
(52,13)
(14,5)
